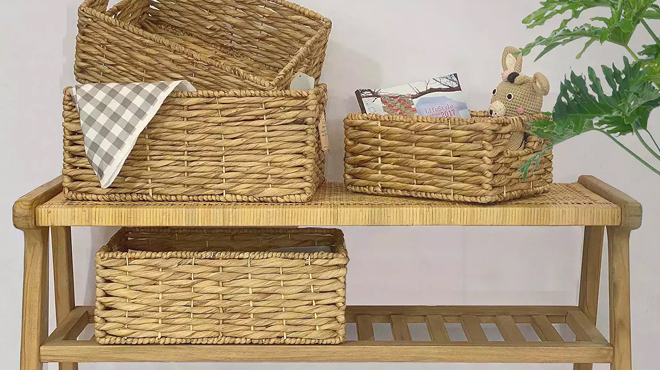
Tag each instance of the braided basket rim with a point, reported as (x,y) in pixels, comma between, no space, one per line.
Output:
(114,249)
(476,117)
(318,89)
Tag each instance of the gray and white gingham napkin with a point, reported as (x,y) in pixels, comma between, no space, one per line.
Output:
(113,116)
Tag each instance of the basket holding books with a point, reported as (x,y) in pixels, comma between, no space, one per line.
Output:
(444,151)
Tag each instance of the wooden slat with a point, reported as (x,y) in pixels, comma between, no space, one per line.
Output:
(545,330)
(437,328)
(386,311)
(400,330)
(473,330)
(508,328)
(565,204)
(72,325)
(578,330)
(365,328)
(360,351)
(583,328)
(58,349)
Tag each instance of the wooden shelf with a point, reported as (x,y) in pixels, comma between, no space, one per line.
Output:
(588,346)
(564,205)
(524,334)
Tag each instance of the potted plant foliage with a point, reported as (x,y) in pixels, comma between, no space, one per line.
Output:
(583,104)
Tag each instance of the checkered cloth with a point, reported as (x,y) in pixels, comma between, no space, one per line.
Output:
(113,116)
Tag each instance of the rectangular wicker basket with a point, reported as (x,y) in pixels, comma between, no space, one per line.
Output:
(235,146)
(216,45)
(455,159)
(221,286)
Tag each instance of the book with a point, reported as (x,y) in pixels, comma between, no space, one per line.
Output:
(436,97)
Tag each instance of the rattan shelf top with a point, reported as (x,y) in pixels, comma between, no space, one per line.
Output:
(565,205)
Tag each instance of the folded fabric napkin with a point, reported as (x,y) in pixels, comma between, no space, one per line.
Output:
(113,116)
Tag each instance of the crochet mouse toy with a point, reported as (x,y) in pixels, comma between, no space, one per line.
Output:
(518,94)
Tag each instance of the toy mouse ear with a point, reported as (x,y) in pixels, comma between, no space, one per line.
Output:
(541,84)
(512,59)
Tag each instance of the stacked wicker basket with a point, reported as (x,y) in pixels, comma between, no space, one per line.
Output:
(242,137)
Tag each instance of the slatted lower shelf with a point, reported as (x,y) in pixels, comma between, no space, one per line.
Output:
(493,334)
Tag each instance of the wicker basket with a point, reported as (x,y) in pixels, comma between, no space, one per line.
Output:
(221,286)
(216,45)
(250,146)
(467,160)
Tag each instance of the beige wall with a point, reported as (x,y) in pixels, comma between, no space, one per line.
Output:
(375,43)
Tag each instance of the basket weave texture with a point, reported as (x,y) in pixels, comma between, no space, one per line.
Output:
(231,146)
(467,160)
(221,286)
(216,45)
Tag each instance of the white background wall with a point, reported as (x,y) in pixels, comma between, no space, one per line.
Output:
(374,43)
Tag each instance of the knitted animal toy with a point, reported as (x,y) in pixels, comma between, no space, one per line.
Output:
(518,94)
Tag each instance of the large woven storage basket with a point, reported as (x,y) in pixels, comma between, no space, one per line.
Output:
(230,146)
(221,286)
(455,159)
(214,44)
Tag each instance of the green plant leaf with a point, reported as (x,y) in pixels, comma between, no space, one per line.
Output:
(626,26)
(651,51)
(625,17)
(564,36)
(532,164)
(653,12)
(552,8)
(583,105)
(651,63)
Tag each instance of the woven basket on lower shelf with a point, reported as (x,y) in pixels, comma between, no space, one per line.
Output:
(212,146)
(216,45)
(221,286)
(455,159)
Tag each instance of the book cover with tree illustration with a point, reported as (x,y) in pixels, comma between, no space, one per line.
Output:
(437,97)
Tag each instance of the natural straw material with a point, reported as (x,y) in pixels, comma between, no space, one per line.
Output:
(214,44)
(466,160)
(236,146)
(221,286)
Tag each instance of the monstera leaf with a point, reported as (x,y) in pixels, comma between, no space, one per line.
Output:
(625,17)
(584,106)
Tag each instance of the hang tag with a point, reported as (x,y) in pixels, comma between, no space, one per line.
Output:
(302,82)
(323,133)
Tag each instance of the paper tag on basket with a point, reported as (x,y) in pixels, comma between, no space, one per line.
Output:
(323,133)
(302,82)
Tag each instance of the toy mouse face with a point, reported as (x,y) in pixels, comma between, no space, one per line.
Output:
(518,94)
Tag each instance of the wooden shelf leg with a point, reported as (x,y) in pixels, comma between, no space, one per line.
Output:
(619,265)
(35,297)
(592,257)
(63,276)
(618,239)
